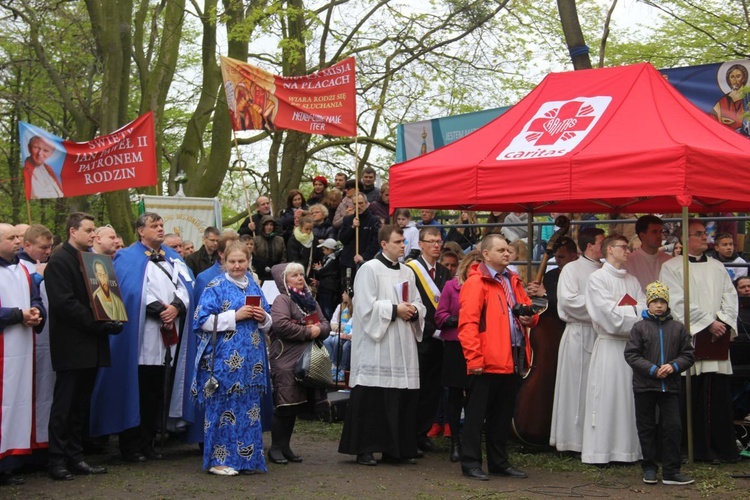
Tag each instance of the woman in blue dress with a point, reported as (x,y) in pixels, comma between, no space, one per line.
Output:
(233,441)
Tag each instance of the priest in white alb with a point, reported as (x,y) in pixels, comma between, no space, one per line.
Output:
(645,263)
(387,324)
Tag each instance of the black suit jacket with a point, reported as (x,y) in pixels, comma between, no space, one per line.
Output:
(442,275)
(76,340)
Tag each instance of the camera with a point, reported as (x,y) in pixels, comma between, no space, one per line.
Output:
(523,310)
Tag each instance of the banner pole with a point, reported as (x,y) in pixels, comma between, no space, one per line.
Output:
(242,176)
(356,196)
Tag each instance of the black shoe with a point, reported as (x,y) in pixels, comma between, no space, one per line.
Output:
(60,473)
(8,479)
(475,473)
(390,459)
(510,472)
(420,453)
(134,457)
(275,456)
(152,454)
(289,455)
(426,444)
(649,476)
(366,459)
(455,451)
(84,469)
(677,479)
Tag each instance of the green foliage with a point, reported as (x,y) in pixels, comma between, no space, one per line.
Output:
(691,33)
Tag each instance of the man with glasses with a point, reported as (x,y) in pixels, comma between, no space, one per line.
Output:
(206,256)
(431,277)
(713,317)
(615,301)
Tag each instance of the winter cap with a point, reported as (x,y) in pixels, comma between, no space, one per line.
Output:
(321,179)
(329,243)
(657,290)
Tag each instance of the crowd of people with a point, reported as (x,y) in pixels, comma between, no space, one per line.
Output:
(423,324)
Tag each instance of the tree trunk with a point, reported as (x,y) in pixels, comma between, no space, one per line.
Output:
(573,34)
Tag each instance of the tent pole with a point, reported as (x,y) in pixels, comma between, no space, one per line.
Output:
(529,246)
(686,315)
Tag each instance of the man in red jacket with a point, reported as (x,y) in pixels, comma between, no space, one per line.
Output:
(496,346)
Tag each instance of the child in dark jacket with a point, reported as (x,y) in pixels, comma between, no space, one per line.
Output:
(659,349)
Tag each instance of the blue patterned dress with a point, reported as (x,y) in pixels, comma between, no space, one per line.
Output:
(232,426)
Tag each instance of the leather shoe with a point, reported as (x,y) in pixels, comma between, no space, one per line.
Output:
(390,459)
(134,457)
(366,459)
(84,469)
(275,456)
(8,479)
(290,456)
(152,454)
(475,473)
(455,451)
(510,472)
(60,473)
(426,444)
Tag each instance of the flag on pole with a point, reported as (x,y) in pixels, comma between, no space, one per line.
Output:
(55,168)
(324,102)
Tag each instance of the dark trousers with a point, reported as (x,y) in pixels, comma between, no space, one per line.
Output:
(453,408)
(70,407)
(430,385)
(713,427)
(151,395)
(670,425)
(491,402)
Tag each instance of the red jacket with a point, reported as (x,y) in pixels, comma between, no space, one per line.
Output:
(483,322)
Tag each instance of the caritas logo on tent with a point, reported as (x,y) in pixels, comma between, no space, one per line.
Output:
(556,128)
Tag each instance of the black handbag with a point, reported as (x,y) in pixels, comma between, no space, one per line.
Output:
(313,368)
(212,384)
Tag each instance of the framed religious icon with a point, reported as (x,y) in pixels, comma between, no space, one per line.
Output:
(101,283)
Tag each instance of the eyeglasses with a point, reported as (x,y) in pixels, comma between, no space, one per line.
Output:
(432,242)
(699,234)
(624,247)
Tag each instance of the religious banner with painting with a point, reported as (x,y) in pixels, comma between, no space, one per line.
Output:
(323,102)
(101,283)
(56,168)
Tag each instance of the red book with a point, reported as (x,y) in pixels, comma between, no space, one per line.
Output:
(252,300)
(706,348)
(405,291)
(169,335)
(312,319)
(627,300)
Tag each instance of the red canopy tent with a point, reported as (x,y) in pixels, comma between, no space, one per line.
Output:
(601,140)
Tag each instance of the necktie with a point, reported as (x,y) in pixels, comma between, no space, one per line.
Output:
(511,301)
(432,273)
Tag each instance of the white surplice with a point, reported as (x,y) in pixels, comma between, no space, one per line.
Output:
(384,352)
(574,354)
(645,267)
(609,430)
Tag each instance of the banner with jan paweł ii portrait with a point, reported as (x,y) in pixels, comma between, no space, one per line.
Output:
(323,102)
(55,168)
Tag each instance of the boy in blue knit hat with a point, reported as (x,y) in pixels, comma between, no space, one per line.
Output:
(659,349)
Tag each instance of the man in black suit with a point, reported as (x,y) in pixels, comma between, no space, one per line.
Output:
(431,276)
(79,345)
